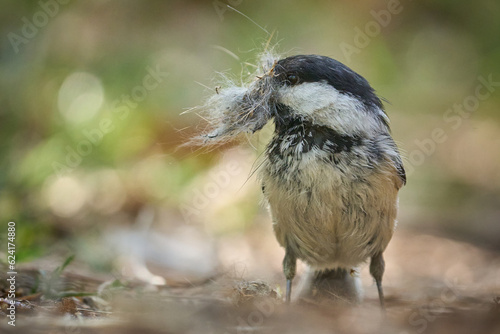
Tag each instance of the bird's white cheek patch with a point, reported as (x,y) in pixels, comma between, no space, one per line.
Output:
(309,97)
(325,105)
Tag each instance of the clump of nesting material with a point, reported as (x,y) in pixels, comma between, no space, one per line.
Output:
(239,108)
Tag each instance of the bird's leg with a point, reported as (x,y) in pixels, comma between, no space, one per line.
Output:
(289,269)
(377,266)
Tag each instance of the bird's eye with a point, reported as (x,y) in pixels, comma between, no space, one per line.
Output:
(292,79)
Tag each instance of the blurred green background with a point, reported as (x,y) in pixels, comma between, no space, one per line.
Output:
(91,94)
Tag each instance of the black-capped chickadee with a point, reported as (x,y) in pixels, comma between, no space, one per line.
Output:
(332,171)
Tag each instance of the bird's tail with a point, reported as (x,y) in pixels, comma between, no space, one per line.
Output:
(339,284)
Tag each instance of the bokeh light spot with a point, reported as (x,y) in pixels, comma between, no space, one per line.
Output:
(66,196)
(80,97)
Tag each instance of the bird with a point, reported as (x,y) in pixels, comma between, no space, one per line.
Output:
(331,172)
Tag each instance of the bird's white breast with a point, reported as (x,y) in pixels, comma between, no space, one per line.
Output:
(330,215)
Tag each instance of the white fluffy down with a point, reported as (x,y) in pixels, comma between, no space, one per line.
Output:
(236,109)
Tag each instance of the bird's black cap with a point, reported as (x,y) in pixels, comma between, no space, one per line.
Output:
(295,70)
